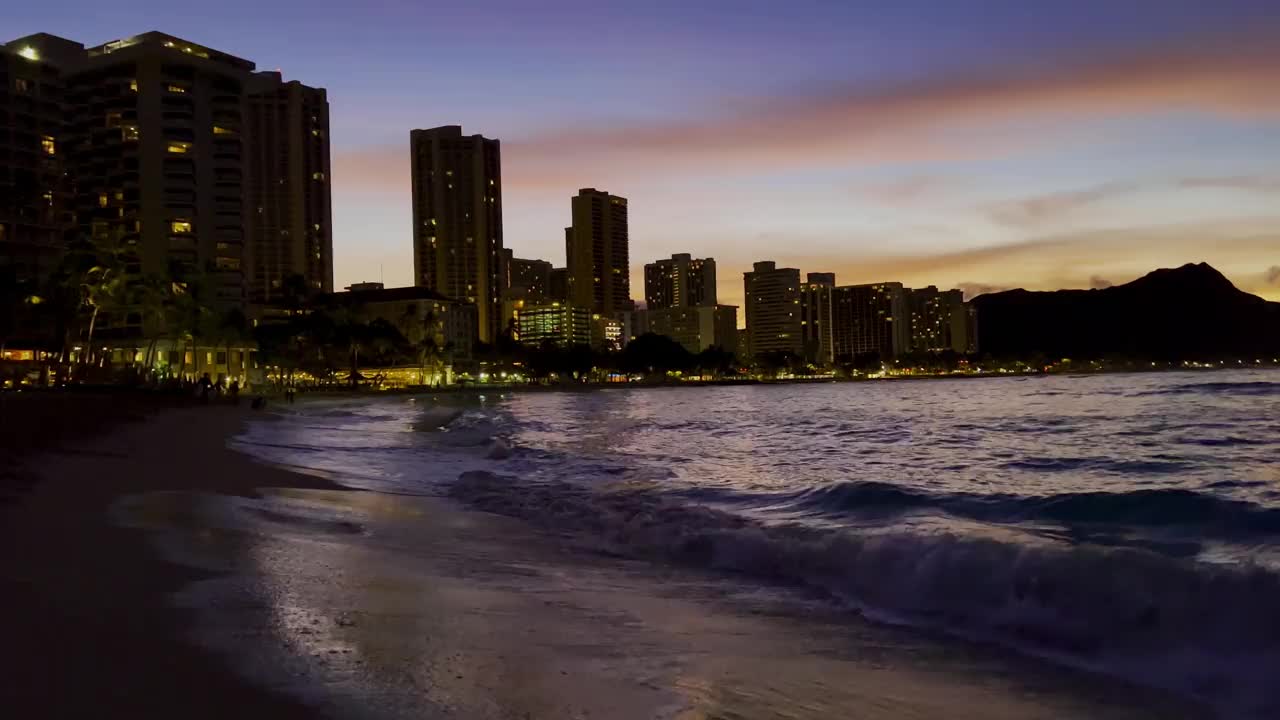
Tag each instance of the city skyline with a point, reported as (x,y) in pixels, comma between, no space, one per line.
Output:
(1157,153)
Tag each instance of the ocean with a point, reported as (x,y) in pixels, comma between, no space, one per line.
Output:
(1103,532)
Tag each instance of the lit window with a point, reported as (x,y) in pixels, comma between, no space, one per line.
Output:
(48,198)
(133,85)
(48,145)
(180,227)
(176,89)
(29,53)
(22,86)
(317,176)
(113,119)
(227,263)
(179,148)
(102,200)
(219,130)
(129,133)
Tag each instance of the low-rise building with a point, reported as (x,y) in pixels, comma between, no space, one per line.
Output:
(697,328)
(558,323)
(418,313)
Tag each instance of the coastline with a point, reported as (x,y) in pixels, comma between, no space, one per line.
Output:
(569,387)
(91,624)
(496,615)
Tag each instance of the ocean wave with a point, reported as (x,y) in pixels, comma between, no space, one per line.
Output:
(1165,507)
(1099,464)
(1207,630)
(1254,387)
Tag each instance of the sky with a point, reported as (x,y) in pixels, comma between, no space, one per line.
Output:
(961,143)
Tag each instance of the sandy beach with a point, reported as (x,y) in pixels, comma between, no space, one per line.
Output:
(91,631)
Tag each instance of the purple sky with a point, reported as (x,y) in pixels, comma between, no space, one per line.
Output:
(975,144)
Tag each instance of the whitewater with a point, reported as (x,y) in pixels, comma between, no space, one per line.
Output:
(1126,526)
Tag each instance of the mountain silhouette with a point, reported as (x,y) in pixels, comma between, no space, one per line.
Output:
(1186,313)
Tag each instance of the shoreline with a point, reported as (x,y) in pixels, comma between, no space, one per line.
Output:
(97,602)
(94,631)
(476,389)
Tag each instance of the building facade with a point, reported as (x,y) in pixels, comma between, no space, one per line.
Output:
(554,322)
(940,321)
(36,208)
(529,279)
(773,309)
(290,216)
(697,328)
(597,248)
(150,155)
(457,220)
(558,284)
(681,281)
(815,318)
(869,319)
(419,314)
(159,157)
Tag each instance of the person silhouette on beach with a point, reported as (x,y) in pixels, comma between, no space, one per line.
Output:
(234,392)
(206,385)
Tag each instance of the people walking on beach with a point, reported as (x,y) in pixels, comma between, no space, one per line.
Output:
(288,393)
(234,392)
(220,386)
(206,386)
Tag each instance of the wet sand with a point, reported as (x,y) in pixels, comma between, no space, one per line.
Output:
(218,600)
(89,629)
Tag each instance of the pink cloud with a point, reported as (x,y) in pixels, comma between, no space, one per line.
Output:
(925,120)
(906,122)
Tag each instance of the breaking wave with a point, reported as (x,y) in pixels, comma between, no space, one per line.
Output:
(1163,507)
(1208,630)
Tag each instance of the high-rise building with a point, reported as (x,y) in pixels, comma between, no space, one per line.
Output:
(940,320)
(597,249)
(697,328)
(290,216)
(152,141)
(869,319)
(682,281)
(457,220)
(815,317)
(773,309)
(160,156)
(36,211)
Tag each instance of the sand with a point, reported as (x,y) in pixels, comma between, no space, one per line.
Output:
(89,629)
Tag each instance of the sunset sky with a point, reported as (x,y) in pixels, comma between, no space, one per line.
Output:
(959,143)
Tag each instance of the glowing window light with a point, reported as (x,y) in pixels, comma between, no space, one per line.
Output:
(29,53)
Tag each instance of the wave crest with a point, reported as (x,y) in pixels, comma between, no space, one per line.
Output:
(1210,630)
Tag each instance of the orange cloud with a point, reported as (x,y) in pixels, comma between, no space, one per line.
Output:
(1075,260)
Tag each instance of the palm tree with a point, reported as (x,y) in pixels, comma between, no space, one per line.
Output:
(231,330)
(191,315)
(102,287)
(154,297)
